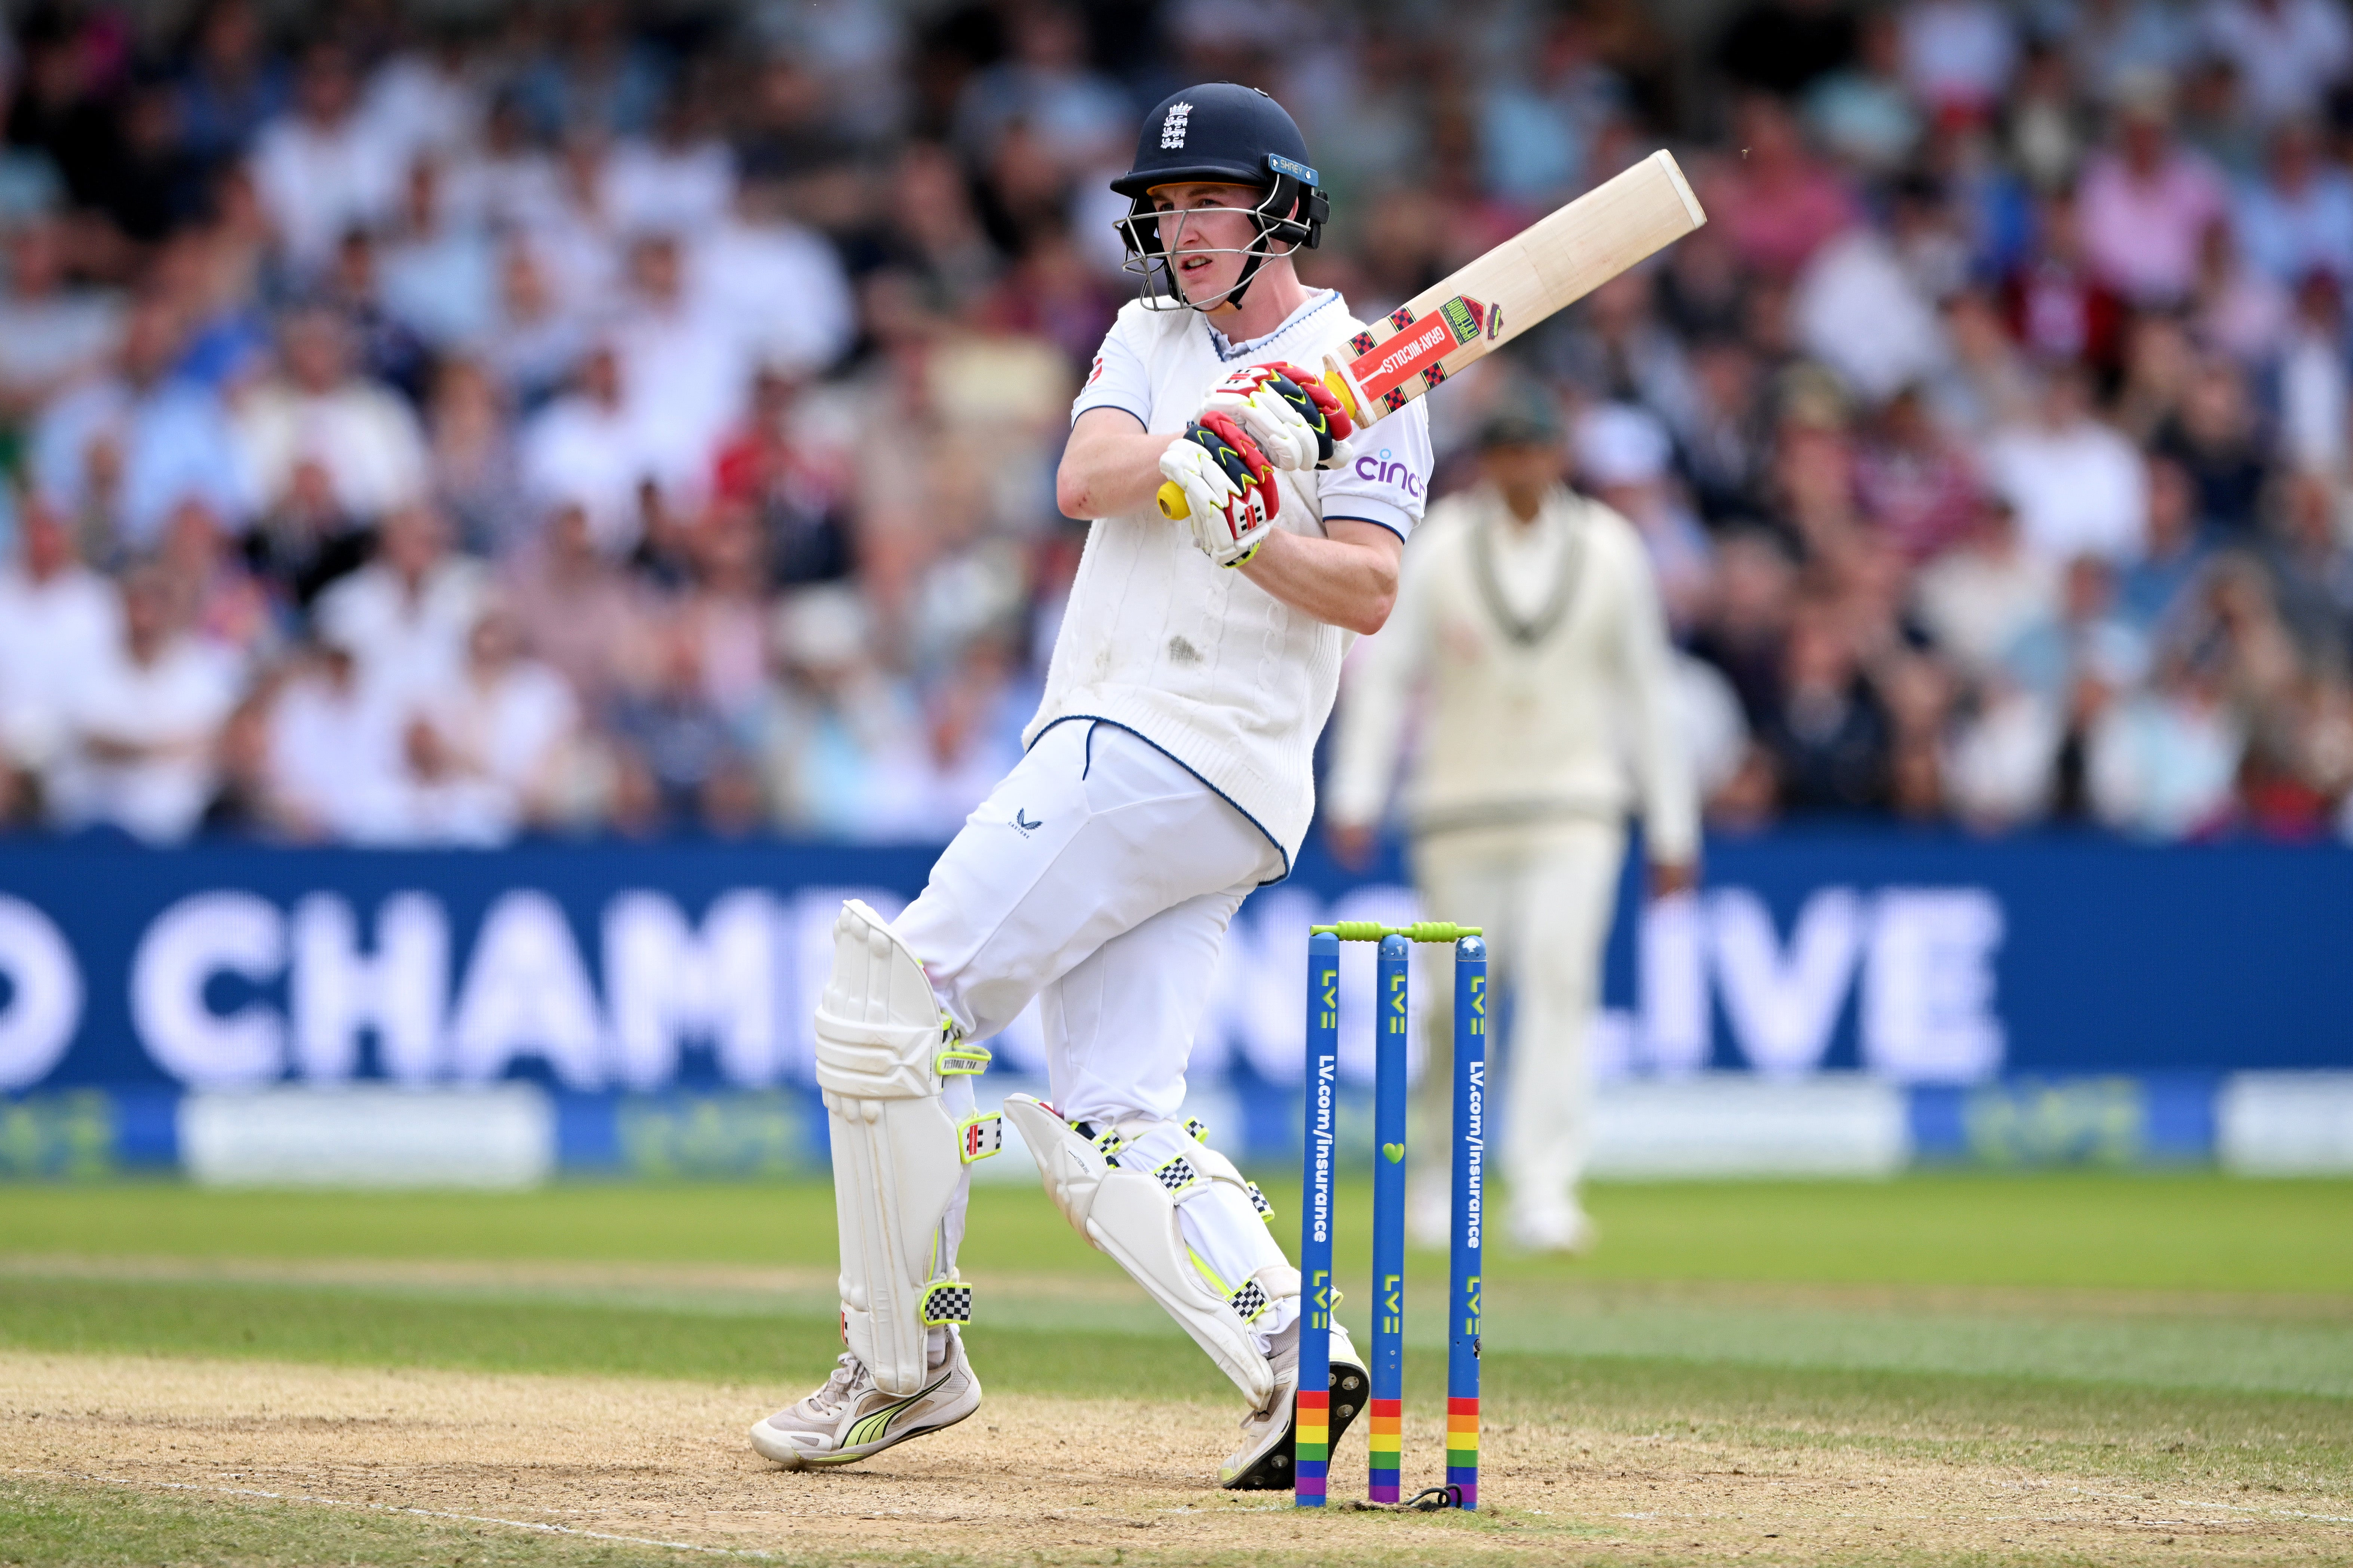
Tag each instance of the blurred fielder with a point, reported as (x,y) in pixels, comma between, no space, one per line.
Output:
(1168,773)
(1530,613)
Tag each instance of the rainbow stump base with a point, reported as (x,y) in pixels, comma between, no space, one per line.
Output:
(1311,1449)
(1386,1447)
(1462,1449)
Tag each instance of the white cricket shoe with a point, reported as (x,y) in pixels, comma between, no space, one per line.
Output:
(850,1419)
(1264,1462)
(1568,1231)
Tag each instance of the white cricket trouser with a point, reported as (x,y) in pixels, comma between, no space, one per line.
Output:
(1544,895)
(1099,877)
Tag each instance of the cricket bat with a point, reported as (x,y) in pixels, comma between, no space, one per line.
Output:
(1545,268)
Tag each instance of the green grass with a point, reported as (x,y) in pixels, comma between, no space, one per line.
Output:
(2193,1232)
(80,1526)
(2190,1334)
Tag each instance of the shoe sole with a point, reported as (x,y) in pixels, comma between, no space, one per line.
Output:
(796,1459)
(1351,1387)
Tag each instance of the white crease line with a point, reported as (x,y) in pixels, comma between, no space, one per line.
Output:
(393,1508)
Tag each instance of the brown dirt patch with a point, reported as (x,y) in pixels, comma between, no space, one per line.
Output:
(1033,1478)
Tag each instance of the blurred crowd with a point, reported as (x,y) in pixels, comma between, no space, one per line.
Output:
(589,418)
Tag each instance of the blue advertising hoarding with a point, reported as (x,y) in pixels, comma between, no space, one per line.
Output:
(2041,994)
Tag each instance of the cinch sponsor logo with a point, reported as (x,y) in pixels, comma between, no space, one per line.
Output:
(1380,470)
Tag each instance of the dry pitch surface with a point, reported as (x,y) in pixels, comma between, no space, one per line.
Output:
(1034,1479)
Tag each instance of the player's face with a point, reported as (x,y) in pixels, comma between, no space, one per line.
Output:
(1205,228)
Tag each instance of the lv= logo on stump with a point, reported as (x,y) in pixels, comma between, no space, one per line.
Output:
(1384,1461)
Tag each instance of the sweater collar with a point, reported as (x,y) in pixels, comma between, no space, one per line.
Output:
(1232,351)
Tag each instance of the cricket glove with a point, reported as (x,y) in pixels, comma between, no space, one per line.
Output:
(1291,414)
(1230,490)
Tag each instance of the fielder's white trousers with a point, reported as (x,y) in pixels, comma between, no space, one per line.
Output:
(1544,895)
(1098,877)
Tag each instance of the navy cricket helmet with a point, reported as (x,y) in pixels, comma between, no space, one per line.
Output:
(1223,131)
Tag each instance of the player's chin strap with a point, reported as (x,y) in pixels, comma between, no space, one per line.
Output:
(1129,1209)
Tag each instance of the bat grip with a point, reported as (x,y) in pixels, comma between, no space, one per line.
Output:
(1172,502)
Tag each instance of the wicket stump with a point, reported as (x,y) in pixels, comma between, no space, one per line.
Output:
(1318,1209)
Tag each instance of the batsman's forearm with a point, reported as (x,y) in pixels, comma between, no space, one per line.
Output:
(1107,472)
(1350,580)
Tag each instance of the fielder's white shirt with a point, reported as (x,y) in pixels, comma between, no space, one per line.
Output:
(1545,655)
(1197,658)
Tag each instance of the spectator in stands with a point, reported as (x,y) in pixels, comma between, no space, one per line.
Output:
(680,180)
(1777,204)
(117,454)
(576,609)
(1865,114)
(2149,588)
(2312,573)
(232,85)
(1977,598)
(2085,641)
(533,343)
(2161,763)
(336,767)
(497,748)
(2147,202)
(319,410)
(2056,300)
(1960,55)
(470,444)
(142,720)
(1830,736)
(2313,383)
(674,730)
(2075,483)
(2298,218)
(599,79)
(439,270)
(2213,436)
(840,743)
(225,604)
(1045,83)
(780,286)
(405,615)
(592,451)
(2290,52)
(58,621)
(51,334)
(684,362)
(1917,487)
(325,169)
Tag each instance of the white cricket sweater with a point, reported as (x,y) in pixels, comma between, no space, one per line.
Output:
(1197,658)
(1546,661)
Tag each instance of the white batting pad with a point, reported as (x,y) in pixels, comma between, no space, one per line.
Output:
(898,1150)
(1130,1215)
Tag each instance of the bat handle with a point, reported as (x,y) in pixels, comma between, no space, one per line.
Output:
(1344,387)
(1172,502)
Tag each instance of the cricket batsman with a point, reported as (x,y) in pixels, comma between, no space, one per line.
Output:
(1530,615)
(1168,773)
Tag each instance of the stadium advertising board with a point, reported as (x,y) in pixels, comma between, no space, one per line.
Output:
(2027,995)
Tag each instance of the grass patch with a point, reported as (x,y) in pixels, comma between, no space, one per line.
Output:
(2195,1231)
(61,1524)
(786,1350)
